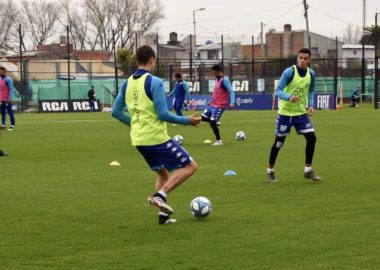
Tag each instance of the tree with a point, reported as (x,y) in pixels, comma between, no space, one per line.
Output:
(41,17)
(351,34)
(126,60)
(125,17)
(372,33)
(9,21)
(77,18)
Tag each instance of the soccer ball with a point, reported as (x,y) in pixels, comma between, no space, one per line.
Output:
(178,139)
(240,136)
(200,207)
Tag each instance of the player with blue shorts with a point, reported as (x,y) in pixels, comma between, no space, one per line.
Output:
(144,96)
(223,96)
(296,93)
(180,93)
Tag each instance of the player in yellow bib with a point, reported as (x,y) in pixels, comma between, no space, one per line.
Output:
(144,97)
(296,93)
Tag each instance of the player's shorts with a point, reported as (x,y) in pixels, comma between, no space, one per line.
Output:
(169,155)
(213,113)
(301,123)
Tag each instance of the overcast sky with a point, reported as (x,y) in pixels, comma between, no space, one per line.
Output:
(238,20)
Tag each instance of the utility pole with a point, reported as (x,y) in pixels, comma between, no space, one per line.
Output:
(363,48)
(306,7)
(262,40)
(194,23)
(68,61)
(376,88)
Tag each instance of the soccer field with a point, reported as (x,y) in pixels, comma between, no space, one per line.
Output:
(63,207)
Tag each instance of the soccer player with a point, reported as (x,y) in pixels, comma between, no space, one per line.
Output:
(91,98)
(147,114)
(6,95)
(223,96)
(180,92)
(296,93)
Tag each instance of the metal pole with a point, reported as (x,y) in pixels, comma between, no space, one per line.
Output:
(68,61)
(171,83)
(262,40)
(363,49)
(306,7)
(21,70)
(194,26)
(253,58)
(158,58)
(336,72)
(376,88)
(222,52)
(191,57)
(115,63)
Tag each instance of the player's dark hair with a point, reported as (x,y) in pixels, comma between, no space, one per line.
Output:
(305,50)
(143,55)
(216,68)
(178,75)
(3,68)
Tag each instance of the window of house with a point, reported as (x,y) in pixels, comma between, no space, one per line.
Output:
(354,52)
(213,55)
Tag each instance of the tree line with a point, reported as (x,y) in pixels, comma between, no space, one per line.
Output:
(91,22)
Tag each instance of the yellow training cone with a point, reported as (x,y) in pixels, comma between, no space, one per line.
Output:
(207,141)
(115,163)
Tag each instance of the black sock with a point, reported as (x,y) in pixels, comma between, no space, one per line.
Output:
(311,139)
(278,143)
(215,129)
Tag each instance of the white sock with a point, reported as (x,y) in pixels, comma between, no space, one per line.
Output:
(163,214)
(163,194)
(307,169)
(270,170)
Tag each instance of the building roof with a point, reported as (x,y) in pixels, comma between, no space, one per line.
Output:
(28,53)
(171,47)
(212,46)
(357,46)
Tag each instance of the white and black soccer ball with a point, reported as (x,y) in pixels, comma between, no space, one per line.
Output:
(240,136)
(200,207)
(178,139)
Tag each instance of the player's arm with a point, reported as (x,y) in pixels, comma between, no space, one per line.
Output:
(9,82)
(187,91)
(228,86)
(285,79)
(310,96)
(172,92)
(119,105)
(311,90)
(159,100)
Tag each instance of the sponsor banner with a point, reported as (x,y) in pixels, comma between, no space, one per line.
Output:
(194,86)
(237,85)
(79,105)
(324,101)
(242,102)
(321,102)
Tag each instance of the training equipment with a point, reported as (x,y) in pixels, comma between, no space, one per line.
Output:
(178,139)
(200,207)
(207,141)
(230,173)
(240,136)
(115,163)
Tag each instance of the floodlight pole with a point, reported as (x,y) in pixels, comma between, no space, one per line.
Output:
(195,33)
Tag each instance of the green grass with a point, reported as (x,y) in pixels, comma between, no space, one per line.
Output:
(63,207)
